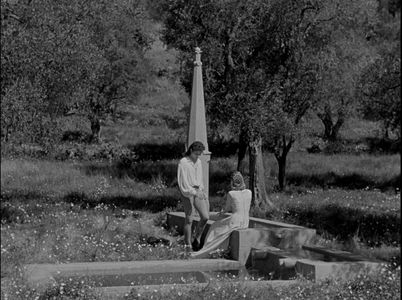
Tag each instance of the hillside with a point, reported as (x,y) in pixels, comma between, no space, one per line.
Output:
(158,113)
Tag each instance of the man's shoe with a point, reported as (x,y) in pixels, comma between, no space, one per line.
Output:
(196,245)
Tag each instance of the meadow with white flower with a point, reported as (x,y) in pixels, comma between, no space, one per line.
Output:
(58,212)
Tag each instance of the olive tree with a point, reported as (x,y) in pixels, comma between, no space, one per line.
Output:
(259,69)
(78,56)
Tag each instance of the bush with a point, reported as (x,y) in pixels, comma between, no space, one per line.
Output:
(168,199)
(339,146)
(314,149)
(383,145)
(11,214)
(99,152)
(76,136)
(24,150)
(154,152)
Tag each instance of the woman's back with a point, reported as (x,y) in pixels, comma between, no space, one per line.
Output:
(240,204)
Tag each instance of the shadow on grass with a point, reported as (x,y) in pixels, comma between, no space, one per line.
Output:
(16,195)
(349,181)
(175,150)
(142,171)
(153,203)
(151,171)
(11,210)
(374,229)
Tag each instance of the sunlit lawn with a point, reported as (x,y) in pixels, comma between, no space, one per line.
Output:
(40,226)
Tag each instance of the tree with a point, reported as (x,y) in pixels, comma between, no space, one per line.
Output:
(379,88)
(80,56)
(381,92)
(121,31)
(292,91)
(41,52)
(255,60)
(341,65)
(341,60)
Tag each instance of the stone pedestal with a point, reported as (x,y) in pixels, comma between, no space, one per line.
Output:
(197,125)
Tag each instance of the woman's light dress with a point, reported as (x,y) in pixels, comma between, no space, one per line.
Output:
(218,234)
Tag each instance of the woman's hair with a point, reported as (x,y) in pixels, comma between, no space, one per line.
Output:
(237,182)
(196,146)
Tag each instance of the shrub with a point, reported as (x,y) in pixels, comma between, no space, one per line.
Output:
(99,152)
(314,149)
(383,145)
(12,214)
(24,150)
(154,152)
(76,136)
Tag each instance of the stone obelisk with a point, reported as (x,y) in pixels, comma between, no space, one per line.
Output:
(197,129)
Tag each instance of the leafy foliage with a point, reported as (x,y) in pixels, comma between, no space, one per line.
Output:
(380,89)
(63,57)
(342,61)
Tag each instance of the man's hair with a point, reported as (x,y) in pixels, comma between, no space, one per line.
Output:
(196,146)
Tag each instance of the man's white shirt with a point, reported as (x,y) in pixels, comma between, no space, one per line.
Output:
(189,175)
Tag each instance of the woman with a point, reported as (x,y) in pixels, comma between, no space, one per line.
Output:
(191,185)
(238,200)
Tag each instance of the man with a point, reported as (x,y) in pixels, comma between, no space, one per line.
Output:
(191,185)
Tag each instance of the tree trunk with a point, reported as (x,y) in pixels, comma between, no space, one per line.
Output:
(326,119)
(242,153)
(336,127)
(282,172)
(257,182)
(281,159)
(95,128)
(331,130)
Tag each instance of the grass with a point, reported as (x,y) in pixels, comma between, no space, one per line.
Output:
(381,286)
(61,232)
(56,212)
(320,170)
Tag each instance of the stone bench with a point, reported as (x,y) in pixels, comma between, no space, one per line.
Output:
(260,234)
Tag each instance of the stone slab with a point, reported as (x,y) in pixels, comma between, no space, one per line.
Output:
(43,275)
(320,270)
(330,254)
(242,241)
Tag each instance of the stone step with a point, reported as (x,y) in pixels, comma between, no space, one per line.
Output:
(345,270)
(315,263)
